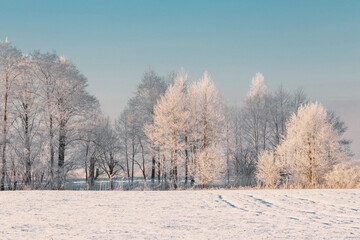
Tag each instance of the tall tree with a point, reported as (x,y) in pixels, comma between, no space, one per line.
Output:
(129,130)
(48,71)
(27,124)
(207,135)
(71,98)
(167,130)
(148,92)
(89,136)
(10,57)
(280,110)
(255,123)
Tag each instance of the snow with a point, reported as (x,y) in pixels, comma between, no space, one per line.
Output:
(208,214)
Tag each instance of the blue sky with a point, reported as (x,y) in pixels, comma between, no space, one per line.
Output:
(310,44)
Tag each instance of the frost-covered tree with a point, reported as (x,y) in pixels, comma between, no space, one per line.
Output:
(207,133)
(66,103)
(167,131)
(255,126)
(255,114)
(28,109)
(10,57)
(188,131)
(47,69)
(311,146)
(230,139)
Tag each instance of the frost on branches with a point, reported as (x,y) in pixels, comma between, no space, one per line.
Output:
(174,132)
(308,152)
(268,169)
(206,133)
(187,130)
(167,131)
(43,101)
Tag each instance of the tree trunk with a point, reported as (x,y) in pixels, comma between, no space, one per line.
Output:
(111,182)
(159,171)
(153,170)
(132,163)
(227,156)
(192,181)
(186,164)
(4,139)
(143,160)
(61,160)
(127,161)
(92,172)
(86,162)
(175,177)
(15,181)
(3,169)
(27,152)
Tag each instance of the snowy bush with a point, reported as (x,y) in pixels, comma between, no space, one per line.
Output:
(343,175)
(268,169)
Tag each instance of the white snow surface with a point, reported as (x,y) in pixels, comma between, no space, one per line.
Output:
(208,214)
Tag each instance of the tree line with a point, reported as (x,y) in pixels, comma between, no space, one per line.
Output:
(174,132)
(44,105)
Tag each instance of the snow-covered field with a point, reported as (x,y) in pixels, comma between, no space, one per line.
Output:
(217,214)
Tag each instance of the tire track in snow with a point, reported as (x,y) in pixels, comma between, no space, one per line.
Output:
(230,204)
(268,204)
(314,210)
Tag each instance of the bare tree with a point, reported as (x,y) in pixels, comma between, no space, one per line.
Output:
(71,99)
(148,92)
(107,151)
(255,127)
(129,129)
(28,121)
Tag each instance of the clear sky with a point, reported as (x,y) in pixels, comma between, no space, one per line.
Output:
(310,44)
